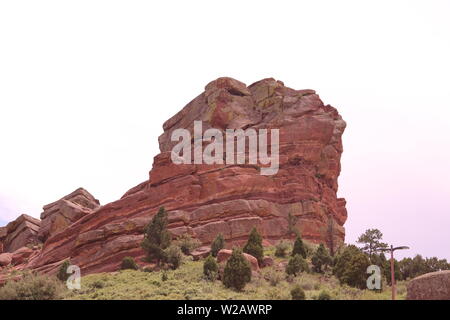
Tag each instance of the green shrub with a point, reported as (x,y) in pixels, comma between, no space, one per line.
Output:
(351,266)
(254,245)
(129,263)
(62,271)
(321,259)
(33,287)
(296,265)
(174,256)
(164,276)
(299,247)
(187,244)
(237,271)
(156,237)
(297,293)
(324,295)
(210,268)
(217,245)
(281,249)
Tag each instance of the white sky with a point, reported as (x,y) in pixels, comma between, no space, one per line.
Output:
(86,85)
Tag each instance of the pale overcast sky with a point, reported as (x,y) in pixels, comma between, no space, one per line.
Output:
(85,87)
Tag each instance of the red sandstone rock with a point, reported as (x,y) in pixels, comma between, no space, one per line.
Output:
(21,232)
(5,259)
(224,254)
(203,200)
(267,262)
(20,255)
(201,252)
(58,215)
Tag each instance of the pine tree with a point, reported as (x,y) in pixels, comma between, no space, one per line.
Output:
(299,247)
(157,238)
(254,245)
(237,271)
(217,245)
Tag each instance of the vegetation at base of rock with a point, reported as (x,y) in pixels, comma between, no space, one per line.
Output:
(297,265)
(188,281)
(297,293)
(299,247)
(210,268)
(237,272)
(324,295)
(62,271)
(254,245)
(173,256)
(156,237)
(33,287)
(129,263)
(217,245)
(282,248)
(351,266)
(187,244)
(321,259)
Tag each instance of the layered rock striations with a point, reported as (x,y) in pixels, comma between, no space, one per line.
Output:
(203,199)
(19,233)
(58,215)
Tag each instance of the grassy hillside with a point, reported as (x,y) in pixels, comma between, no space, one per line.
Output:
(187,283)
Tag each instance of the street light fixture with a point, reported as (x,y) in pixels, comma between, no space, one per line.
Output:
(391,250)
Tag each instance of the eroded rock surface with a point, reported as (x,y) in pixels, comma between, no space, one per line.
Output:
(20,233)
(430,286)
(203,200)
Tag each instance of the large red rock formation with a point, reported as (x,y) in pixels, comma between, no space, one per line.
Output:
(204,200)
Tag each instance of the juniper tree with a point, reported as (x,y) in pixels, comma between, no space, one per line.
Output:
(254,245)
(237,271)
(217,245)
(299,247)
(156,237)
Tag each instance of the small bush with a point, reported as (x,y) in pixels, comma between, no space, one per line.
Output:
(321,259)
(62,271)
(129,263)
(299,247)
(273,277)
(33,287)
(210,268)
(297,293)
(164,276)
(187,244)
(174,256)
(324,295)
(254,245)
(237,271)
(281,249)
(217,245)
(98,284)
(296,265)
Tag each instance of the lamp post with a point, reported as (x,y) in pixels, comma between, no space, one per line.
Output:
(391,250)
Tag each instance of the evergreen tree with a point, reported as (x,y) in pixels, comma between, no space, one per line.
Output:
(321,259)
(210,268)
(217,245)
(371,241)
(254,245)
(156,237)
(299,247)
(296,265)
(237,272)
(351,266)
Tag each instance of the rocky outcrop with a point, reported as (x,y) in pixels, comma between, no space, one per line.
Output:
(430,286)
(58,215)
(205,199)
(19,233)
